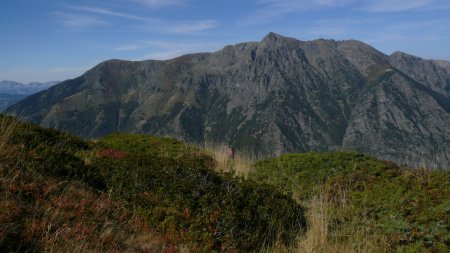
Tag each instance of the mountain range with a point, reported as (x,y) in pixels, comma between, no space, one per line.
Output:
(12,92)
(270,97)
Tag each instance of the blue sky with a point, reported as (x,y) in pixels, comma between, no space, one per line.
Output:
(46,40)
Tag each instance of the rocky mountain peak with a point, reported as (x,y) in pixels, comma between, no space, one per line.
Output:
(269,97)
(276,40)
(272,37)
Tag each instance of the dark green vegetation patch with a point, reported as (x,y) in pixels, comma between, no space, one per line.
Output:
(173,185)
(405,210)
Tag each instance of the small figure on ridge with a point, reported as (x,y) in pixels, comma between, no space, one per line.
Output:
(230,152)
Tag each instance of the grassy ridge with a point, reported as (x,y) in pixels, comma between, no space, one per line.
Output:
(47,202)
(142,193)
(130,192)
(174,187)
(376,203)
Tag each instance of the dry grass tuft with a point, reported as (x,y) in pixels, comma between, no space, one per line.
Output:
(6,128)
(240,165)
(322,238)
(318,237)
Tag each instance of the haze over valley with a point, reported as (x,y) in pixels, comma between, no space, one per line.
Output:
(12,92)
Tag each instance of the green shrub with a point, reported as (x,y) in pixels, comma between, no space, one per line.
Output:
(181,196)
(301,173)
(406,209)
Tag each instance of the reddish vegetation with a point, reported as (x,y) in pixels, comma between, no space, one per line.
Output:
(111,153)
(54,215)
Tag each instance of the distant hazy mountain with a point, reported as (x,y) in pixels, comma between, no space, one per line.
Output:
(11,92)
(11,87)
(269,97)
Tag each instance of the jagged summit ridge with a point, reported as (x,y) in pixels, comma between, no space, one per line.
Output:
(273,96)
(274,37)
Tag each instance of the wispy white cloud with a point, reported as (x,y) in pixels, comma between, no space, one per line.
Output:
(91,16)
(77,21)
(189,27)
(179,27)
(108,12)
(273,10)
(129,47)
(304,4)
(368,5)
(163,50)
(394,5)
(158,3)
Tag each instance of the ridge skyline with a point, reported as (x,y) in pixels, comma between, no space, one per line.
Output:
(60,40)
(443,61)
(274,96)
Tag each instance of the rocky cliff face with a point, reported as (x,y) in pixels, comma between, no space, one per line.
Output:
(274,96)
